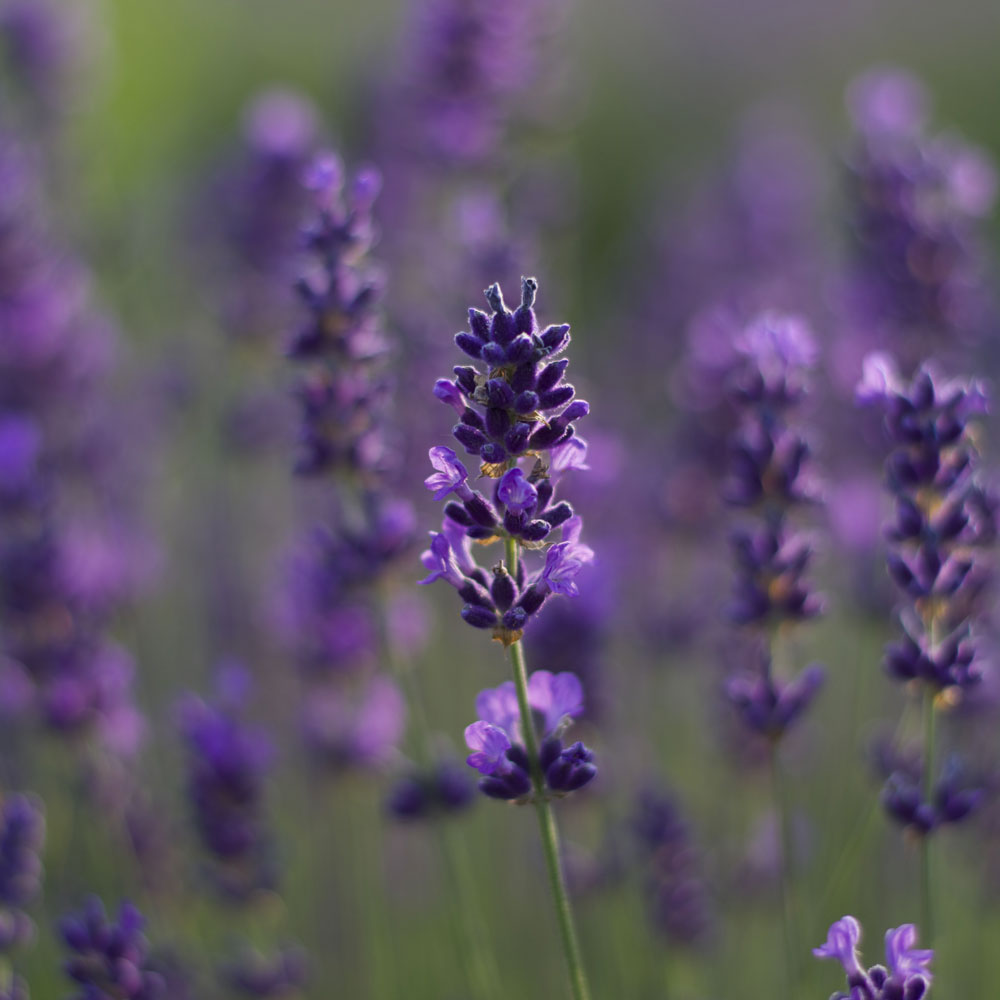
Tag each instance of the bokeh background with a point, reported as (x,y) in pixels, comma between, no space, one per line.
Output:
(616,167)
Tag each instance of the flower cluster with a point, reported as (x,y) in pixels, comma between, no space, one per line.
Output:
(22,833)
(905,976)
(227,760)
(918,201)
(440,789)
(769,474)
(954,796)
(342,391)
(499,748)
(110,960)
(676,895)
(518,408)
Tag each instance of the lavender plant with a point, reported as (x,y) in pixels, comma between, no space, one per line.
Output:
(938,540)
(770,476)
(518,409)
(22,835)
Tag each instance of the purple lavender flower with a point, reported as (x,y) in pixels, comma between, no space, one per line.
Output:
(22,834)
(920,278)
(907,976)
(941,526)
(518,406)
(677,898)
(954,797)
(769,475)
(343,391)
(498,748)
(354,725)
(441,789)
(227,761)
(109,960)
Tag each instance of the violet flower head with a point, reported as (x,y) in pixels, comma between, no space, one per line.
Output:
(498,747)
(343,390)
(943,526)
(227,763)
(954,797)
(360,724)
(921,271)
(441,789)
(677,898)
(770,478)
(109,960)
(905,976)
(517,409)
(22,834)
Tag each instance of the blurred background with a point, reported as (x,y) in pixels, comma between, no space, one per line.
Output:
(667,171)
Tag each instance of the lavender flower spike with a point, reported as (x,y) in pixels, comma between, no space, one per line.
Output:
(517,416)
(906,976)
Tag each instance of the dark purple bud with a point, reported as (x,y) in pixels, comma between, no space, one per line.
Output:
(551,374)
(479,324)
(458,514)
(498,393)
(503,589)
(555,338)
(526,402)
(497,423)
(556,397)
(520,349)
(467,343)
(535,531)
(479,617)
(493,453)
(481,511)
(516,439)
(470,438)
(515,619)
(559,514)
(465,376)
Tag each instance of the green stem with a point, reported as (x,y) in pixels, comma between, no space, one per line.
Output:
(787,869)
(926,889)
(469,925)
(546,815)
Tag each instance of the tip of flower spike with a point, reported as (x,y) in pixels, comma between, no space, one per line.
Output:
(529,289)
(495,297)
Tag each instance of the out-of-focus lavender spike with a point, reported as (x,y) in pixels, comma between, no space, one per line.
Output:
(770,476)
(227,762)
(109,958)
(22,835)
(72,549)
(677,897)
(920,278)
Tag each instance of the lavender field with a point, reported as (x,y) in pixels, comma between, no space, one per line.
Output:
(499,500)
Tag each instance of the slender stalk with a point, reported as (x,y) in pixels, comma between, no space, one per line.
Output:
(470,929)
(546,815)
(787,869)
(926,888)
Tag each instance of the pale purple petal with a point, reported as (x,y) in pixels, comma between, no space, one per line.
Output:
(902,957)
(499,707)
(448,392)
(842,944)
(516,493)
(441,562)
(555,696)
(879,378)
(569,455)
(450,472)
(489,746)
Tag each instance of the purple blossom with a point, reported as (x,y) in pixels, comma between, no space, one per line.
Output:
(109,960)
(450,476)
(497,745)
(907,975)
(22,834)
(227,762)
(518,407)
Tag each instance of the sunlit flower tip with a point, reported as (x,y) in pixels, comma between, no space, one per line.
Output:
(450,476)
